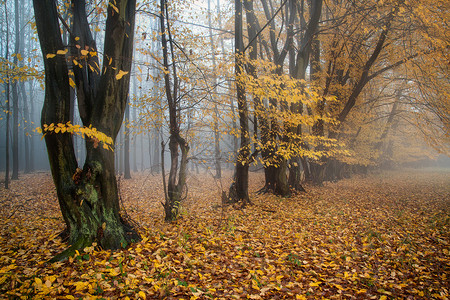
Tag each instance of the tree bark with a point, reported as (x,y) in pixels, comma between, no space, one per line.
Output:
(299,72)
(88,198)
(239,188)
(232,107)
(216,110)
(126,131)
(176,185)
(15,97)
(8,105)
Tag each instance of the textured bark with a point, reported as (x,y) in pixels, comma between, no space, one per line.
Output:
(88,197)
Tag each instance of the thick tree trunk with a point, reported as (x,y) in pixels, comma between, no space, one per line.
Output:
(88,198)
(295,175)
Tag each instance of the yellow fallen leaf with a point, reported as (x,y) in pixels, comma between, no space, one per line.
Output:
(62,52)
(50,55)
(317,283)
(80,285)
(38,281)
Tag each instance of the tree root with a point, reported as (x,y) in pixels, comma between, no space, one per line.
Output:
(81,243)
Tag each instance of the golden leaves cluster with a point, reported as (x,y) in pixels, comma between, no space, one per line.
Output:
(82,131)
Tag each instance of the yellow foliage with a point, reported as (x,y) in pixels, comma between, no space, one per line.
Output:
(90,132)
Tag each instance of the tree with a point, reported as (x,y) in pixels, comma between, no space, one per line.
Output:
(239,188)
(15,95)
(8,105)
(88,197)
(216,110)
(176,183)
(127,136)
(369,48)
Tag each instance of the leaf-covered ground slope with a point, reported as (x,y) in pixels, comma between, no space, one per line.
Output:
(378,237)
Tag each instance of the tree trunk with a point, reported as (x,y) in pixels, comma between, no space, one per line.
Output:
(216,110)
(232,107)
(88,198)
(31,159)
(149,135)
(126,130)
(26,128)
(299,72)
(134,117)
(15,98)
(239,187)
(176,185)
(8,105)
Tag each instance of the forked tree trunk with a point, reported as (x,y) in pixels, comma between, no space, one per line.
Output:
(299,72)
(88,198)
(176,184)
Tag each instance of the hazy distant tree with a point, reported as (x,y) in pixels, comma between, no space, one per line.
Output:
(216,110)
(126,135)
(15,94)
(8,105)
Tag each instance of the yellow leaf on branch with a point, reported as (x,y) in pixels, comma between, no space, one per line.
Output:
(121,74)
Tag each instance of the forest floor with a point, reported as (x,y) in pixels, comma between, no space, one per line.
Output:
(381,236)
